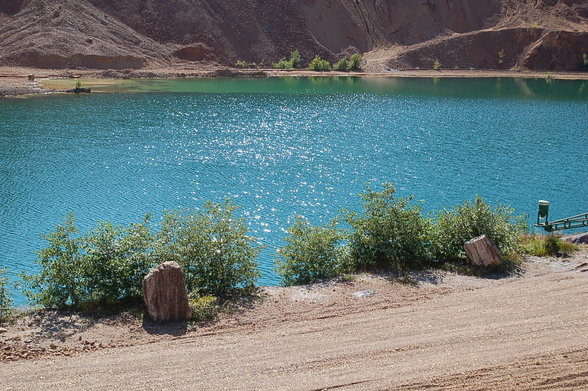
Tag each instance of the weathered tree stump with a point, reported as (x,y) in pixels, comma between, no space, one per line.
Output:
(164,292)
(483,251)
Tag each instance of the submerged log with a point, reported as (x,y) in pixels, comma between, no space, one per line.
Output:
(483,251)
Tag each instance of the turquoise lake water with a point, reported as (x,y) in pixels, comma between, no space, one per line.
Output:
(285,147)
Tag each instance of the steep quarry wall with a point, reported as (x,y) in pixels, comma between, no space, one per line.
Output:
(369,24)
(539,34)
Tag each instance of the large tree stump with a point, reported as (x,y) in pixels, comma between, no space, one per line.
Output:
(483,251)
(164,292)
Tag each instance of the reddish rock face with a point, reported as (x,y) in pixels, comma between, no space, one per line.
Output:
(164,292)
(11,7)
(392,34)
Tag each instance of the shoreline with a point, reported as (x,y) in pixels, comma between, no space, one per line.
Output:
(304,330)
(14,81)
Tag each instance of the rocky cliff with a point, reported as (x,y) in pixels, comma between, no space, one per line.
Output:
(398,34)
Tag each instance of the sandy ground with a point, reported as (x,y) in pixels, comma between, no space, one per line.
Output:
(439,331)
(14,80)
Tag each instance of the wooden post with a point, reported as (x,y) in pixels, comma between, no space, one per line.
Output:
(483,251)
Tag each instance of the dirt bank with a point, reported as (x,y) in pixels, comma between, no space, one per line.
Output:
(441,331)
(398,34)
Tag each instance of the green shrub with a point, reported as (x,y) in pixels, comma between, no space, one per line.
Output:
(390,234)
(533,245)
(342,65)
(213,249)
(115,261)
(103,268)
(312,253)
(59,283)
(542,246)
(295,61)
(203,307)
(551,245)
(471,219)
(437,65)
(244,64)
(355,62)
(318,64)
(5,299)
(282,64)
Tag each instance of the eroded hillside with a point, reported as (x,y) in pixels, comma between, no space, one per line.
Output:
(393,34)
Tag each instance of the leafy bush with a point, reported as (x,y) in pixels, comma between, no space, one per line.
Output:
(437,65)
(116,260)
(213,249)
(389,234)
(342,65)
(203,308)
(106,267)
(5,299)
(471,219)
(103,268)
(282,64)
(295,61)
(59,283)
(318,64)
(311,253)
(348,64)
(355,62)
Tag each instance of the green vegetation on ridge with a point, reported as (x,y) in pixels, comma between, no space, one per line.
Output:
(318,64)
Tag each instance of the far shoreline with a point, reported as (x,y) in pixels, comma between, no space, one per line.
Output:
(14,81)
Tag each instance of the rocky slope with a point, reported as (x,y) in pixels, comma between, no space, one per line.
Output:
(393,34)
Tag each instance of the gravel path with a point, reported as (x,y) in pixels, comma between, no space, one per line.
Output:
(521,333)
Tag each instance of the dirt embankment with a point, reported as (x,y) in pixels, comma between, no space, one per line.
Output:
(399,34)
(440,331)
